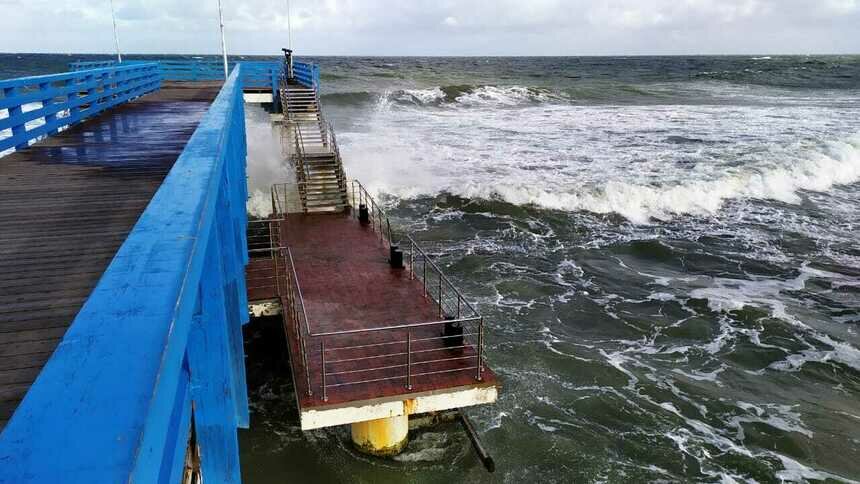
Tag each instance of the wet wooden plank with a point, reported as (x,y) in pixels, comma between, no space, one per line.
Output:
(68,203)
(347,284)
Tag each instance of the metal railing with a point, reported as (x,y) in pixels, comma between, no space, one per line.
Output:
(308,74)
(265,274)
(404,352)
(400,352)
(359,196)
(295,310)
(277,274)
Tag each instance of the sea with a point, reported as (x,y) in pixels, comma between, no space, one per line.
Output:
(665,250)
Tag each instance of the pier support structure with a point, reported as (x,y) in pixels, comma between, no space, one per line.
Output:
(381,437)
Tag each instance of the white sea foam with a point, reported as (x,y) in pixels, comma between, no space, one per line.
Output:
(501,96)
(423,96)
(642,162)
(794,471)
(266,162)
(639,203)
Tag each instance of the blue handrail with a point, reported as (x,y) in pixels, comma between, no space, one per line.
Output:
(42,105)
(307,74)
(160,332)
(255,74)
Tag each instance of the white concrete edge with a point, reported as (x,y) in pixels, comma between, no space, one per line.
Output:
(258,97)
(423,403)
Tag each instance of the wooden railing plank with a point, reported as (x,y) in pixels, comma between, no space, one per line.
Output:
(105,88)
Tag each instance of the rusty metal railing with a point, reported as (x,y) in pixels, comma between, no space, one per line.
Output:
(297,316)
(404,352)
(273,271)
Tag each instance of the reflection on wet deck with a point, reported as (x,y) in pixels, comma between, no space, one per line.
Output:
(66,205)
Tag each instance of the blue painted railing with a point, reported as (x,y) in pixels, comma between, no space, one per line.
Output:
(41,105)
(159,335)
(308,74)
(255,74)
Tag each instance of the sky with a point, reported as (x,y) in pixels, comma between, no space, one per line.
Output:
(437,27)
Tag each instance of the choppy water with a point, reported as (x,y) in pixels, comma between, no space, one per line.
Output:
(665,250)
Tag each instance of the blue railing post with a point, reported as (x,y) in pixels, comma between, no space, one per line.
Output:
(18,129)
(44,87)
(212,388)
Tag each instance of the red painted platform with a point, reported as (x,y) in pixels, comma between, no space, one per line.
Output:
(348,285)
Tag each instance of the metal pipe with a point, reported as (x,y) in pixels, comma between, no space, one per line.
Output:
(485,457)
(441,315)
(393,328)
(412,262)
(388,222)
(289,28)
(480,365)
(322,357)
(409,360)
(223,41)
(115,33)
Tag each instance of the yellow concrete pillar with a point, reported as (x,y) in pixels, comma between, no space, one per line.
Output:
(382,437)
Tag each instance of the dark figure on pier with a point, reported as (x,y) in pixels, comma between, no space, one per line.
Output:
(288,63)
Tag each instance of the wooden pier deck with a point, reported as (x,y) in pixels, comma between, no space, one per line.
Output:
(66,205)
(347,288)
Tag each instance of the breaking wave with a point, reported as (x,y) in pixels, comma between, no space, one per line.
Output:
(641,203)
(839,164)
(455,95)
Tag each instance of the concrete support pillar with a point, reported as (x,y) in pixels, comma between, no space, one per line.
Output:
(382,437)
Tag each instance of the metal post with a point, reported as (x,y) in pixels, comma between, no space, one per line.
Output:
(388,223)
(479,376)
(409,360)
(411,260)
(424,263)
(304,349)
(115,34)
(289,29)
(322,357)
(223,41)
(458,305)
(354,206)
(440,297)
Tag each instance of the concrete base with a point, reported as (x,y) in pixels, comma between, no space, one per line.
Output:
(381,437)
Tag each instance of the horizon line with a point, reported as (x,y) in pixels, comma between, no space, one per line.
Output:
(113,54)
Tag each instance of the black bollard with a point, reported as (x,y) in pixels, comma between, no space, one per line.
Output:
(363,214)
(395,257)
(453,333)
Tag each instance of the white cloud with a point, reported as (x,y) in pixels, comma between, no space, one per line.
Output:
(426,27)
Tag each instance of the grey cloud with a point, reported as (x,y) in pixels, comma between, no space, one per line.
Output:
(442,27)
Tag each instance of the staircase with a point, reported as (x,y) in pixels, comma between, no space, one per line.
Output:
(319,170)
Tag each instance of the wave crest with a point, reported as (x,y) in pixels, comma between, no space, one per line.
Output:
(455,95)
(640,203)
(819,172)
